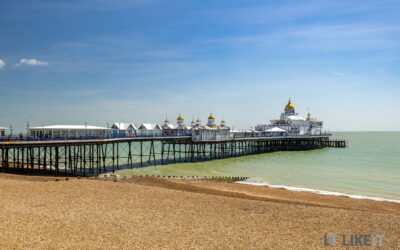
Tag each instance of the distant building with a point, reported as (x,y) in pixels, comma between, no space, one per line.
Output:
(68,131)
(149,130)
(2,132)
(211,131)
(123,129)
(291,123)
(179,129)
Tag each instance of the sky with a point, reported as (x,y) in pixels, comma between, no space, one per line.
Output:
(99,61)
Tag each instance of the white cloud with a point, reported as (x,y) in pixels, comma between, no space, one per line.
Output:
(31,62)
(2,63)
(337,73)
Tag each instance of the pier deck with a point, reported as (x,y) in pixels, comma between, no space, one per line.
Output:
(96,156)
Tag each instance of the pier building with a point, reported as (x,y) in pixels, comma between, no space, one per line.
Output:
(123,129)
(168,127)
(175,129)
(211,131)
(291,123)
(149,129)
(68,131)
(2,132)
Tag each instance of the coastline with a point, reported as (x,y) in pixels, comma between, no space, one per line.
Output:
(147,212)
(269,194)
(317,191)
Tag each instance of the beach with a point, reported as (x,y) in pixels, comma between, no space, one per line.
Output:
(146,212)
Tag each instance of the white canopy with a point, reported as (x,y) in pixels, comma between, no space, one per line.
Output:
(170,126)
(150,126)
(123,126)
(1,128)
(68,127)
(296,118)
(275,129)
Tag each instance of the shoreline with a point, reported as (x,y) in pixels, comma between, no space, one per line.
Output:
(318,191)
(242,180)
(263,193)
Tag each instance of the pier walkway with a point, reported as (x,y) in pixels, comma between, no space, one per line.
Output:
(96,156)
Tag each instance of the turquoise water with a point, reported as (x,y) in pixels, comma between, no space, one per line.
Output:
(369,166)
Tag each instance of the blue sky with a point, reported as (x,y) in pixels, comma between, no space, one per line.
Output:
(67,62)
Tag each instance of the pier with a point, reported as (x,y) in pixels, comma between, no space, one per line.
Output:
(96,156)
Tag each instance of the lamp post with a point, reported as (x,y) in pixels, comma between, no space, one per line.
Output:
(11,129)
(27,128)
(108,126)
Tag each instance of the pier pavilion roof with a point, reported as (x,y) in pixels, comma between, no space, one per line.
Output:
(296,118)
(2,128)
(69,127)
(205,127)
(122,125)
(150,126)
(169,126)
(275,129)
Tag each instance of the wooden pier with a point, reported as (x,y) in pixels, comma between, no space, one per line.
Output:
(93,157)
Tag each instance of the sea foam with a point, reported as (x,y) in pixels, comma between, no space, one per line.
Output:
(316,191)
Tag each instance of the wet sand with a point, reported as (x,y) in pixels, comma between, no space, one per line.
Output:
(40,212)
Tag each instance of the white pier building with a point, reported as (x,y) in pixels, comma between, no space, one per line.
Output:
(179,129)
(123,129)
(291,123)
(211,131)
(67,131)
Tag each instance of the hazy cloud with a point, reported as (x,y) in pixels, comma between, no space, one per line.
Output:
(337,73)
(2,63)
(321,37)
(31,62)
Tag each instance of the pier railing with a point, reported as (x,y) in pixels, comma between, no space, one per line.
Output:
(260,135)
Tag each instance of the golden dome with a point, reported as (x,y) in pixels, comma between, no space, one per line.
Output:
(289,106)
(180,117)
(223,121)
(198,120)
(211,116)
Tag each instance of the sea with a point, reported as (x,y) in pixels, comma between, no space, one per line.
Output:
(368,168)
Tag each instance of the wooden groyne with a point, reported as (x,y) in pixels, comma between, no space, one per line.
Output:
(93,157)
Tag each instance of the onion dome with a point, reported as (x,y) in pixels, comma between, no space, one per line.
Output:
(180,117)
(166,119)
(289,106)
(198,120)
(211,116)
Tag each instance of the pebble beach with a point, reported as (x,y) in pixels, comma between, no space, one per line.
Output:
(153,213)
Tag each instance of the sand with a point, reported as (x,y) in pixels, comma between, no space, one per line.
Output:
(40,212)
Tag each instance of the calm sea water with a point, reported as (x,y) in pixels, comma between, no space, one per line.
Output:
(368,167)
